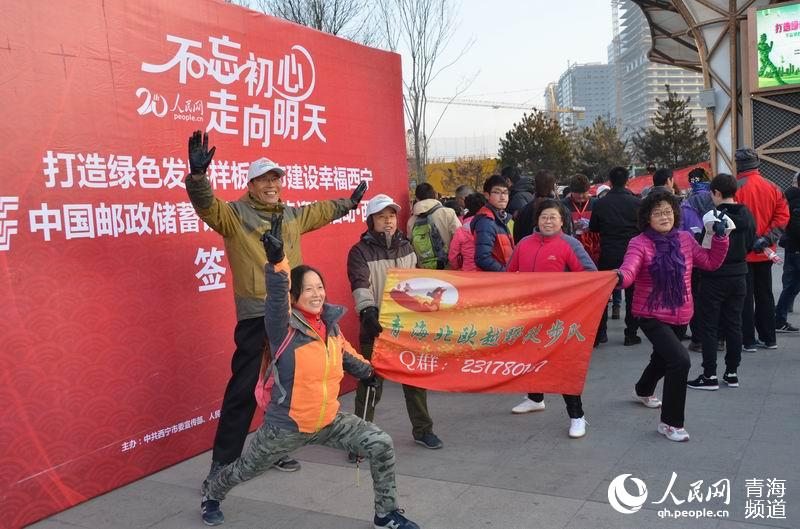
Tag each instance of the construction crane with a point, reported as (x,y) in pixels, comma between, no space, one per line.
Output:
(497,104)
(553,108)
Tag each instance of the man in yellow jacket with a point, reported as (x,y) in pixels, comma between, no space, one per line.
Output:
(241,224)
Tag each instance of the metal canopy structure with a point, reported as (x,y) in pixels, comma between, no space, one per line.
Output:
(706,36)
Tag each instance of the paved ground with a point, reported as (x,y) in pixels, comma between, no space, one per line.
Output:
(503,471)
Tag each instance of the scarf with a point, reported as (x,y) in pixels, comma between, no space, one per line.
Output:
(698,187)
(666,270)
(314,321)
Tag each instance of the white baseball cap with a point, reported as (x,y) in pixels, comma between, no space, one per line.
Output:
(263,166)
(380,202)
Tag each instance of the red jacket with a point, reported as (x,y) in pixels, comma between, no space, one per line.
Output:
(768,205)
(556,253)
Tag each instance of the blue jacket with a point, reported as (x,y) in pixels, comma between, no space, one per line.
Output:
(493,241)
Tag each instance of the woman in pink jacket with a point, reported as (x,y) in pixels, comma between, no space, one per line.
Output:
(462,247)
(660,262)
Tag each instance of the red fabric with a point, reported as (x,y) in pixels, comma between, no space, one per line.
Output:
(314,320)
(490,333)
(767,203)
(538,253)
(635,269)
(679,176)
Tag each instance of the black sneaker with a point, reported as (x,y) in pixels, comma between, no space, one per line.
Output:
(731,379)
(600,338)
(393,520)
(429,440)
(632,340)
(703,382)
(211,513)
(767,345)
(285,464)
(786,327)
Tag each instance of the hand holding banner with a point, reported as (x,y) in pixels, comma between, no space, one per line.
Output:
(490,333)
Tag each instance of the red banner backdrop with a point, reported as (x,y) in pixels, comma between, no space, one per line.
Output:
(483,332)
(116,302)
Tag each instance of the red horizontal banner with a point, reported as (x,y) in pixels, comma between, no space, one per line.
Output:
(490,332)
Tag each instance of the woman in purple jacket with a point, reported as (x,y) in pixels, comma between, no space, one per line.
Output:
(660,262)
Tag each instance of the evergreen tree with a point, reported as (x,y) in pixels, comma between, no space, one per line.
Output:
(537,142)
(673,141)
(597,149)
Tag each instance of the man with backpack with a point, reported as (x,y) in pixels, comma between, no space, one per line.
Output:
(791,264)
(431,228)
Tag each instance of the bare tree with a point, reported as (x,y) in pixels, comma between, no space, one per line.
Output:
(422,29)
(349,19)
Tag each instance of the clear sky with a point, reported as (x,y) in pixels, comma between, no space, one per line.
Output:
(519,47)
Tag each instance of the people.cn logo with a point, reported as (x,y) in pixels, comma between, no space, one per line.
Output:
(619,498)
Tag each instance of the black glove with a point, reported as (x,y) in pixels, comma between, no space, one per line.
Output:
(369,319)
(372,381)
(199,155)
(620,278)
(358,193)
(760,244)
(273,244)
(720,225)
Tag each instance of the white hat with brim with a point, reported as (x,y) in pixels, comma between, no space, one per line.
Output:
(380,202)
(263,166)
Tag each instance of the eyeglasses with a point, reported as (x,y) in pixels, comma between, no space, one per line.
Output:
(661,213)
(550,218)
(501,193)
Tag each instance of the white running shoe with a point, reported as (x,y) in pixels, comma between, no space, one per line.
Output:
(577,428)
(527,406)
(651,401)
(673,434)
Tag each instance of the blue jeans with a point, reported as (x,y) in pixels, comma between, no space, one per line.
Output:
(791,286)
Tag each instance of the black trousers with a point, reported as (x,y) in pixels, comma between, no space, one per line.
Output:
(239,402)
(760,319)
(573,402)
(720,316)
(631,322)
(670,361)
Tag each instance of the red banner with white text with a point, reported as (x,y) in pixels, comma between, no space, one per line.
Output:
(490,332)
(116,301)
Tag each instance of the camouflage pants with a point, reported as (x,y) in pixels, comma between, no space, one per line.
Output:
(346,432)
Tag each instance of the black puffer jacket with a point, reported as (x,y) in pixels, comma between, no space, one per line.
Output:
(521,194)
(741,241)
(615,218)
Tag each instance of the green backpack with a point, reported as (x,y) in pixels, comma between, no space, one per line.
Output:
(427,242)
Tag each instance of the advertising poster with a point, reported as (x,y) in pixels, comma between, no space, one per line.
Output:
(116,301)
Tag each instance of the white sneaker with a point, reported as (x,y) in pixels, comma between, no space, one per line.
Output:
(651,401)
(577,428)
(673,434)
(527,406)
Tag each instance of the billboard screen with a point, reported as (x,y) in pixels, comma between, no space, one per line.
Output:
(777,46)
(116,301)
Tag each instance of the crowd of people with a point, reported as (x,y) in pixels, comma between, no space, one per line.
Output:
(703,261)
